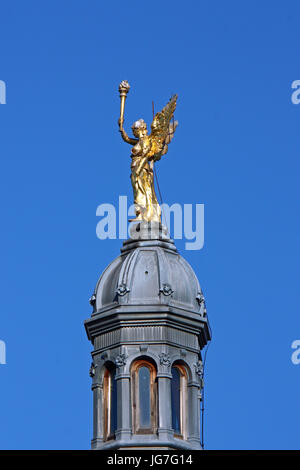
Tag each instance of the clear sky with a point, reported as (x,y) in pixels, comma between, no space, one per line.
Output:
(236,151)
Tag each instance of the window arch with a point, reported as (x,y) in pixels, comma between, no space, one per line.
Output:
(110,403)
(179,400)
(144,397)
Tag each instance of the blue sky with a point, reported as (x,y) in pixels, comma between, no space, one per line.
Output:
(236,150)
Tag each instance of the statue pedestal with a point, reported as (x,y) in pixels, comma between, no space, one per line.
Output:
(148,234)
(148,231)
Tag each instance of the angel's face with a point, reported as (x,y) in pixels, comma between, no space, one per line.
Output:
(139,131)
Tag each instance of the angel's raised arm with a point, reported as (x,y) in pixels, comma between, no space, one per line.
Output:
(123,90)
(125,136)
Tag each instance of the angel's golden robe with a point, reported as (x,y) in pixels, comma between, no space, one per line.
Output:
(146,204)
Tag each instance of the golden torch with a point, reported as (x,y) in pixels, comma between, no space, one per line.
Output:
(124,88)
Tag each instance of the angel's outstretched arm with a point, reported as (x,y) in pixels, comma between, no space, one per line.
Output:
(124,134)
(123,90)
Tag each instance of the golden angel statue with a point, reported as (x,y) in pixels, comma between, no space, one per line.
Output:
(146,150)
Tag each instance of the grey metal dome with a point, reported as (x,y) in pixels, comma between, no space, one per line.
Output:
(149,272)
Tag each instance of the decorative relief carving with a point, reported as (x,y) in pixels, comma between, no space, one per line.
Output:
(121,360)
(165,359)
(200,298)
(92,369)
(201,301)
(166,289)
(199,369)
(122,289)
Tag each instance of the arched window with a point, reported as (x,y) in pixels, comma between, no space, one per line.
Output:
(179,399)
(144,397)
(110,403)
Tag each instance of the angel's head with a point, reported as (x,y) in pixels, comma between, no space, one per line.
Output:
(139,128)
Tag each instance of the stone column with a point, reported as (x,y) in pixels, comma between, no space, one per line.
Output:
(193,414)
(97,415)
(124,407)
(164,406)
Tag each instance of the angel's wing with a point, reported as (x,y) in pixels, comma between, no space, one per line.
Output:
(162,130)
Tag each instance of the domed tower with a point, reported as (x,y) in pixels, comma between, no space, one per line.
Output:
(148,328)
